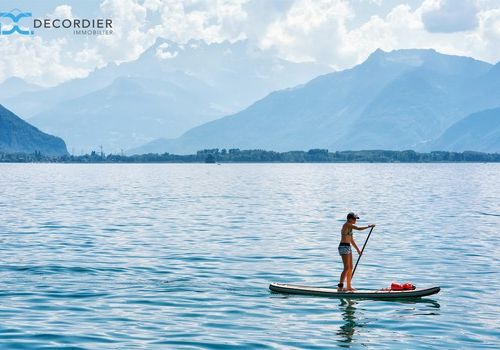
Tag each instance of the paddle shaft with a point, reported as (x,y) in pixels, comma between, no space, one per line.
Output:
(362,250)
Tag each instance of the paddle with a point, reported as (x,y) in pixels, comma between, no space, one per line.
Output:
(362,250)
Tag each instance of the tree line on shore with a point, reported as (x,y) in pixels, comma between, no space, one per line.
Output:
(262,156)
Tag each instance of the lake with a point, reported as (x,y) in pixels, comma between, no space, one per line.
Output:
(180,256)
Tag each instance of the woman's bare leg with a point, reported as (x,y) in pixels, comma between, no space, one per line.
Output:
(349,272)
(345,261)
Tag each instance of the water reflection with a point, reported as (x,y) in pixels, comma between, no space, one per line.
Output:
(424,302)
(346,330)
(351,323)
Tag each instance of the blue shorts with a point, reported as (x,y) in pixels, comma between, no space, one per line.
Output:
(345,248)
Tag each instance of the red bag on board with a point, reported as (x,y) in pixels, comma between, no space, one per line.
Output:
(404,286)
(396,286)
(408,286)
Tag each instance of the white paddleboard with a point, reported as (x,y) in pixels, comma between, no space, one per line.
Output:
(361,294)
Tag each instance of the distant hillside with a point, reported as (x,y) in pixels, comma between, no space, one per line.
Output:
(218,79)
(17,136)
(479,132)
(394,100)
(130,111)
(15,86)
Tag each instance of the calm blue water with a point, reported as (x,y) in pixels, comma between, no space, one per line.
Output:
(180,256)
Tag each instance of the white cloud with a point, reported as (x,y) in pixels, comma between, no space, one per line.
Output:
(484,42)
(401,28)
(62,11)
(488,4)
(299,30)
(447,16)
(163,53)
(324,37)
(36,60)
(404,28)
(89,57)
(311,30)
(211,21)
(208,20)
(131,33)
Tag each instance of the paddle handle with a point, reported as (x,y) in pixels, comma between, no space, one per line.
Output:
(362,250)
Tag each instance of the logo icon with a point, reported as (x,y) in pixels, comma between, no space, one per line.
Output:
(15,16)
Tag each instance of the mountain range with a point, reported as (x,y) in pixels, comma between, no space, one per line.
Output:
(479,131)
(403,99)
(169,89)
(183,98)
(16,86)
(17,136)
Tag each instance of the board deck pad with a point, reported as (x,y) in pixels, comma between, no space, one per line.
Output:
(361,294)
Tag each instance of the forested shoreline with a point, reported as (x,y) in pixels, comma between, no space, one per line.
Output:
(262,156)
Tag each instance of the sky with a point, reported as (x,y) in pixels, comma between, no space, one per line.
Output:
(337,33)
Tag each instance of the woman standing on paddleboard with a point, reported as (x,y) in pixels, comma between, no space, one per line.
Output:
(345,249)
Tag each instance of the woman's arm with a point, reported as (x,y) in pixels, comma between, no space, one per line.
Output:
(355,246)
(361,228)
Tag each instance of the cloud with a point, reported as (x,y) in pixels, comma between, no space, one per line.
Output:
(401,28)
(211,21)
(89,57)
(484,42)
(132,34)
(318,31)
(43,62)
(448,16)
(136,26)
(163,53)
(311,30)
(322,31)
(308,31)
(61,11)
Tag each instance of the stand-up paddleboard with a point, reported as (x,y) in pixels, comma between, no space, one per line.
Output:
(360,294)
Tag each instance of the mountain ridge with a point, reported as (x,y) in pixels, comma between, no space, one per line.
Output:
(227,77)
(479,131)
(393,100)
(18,136)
